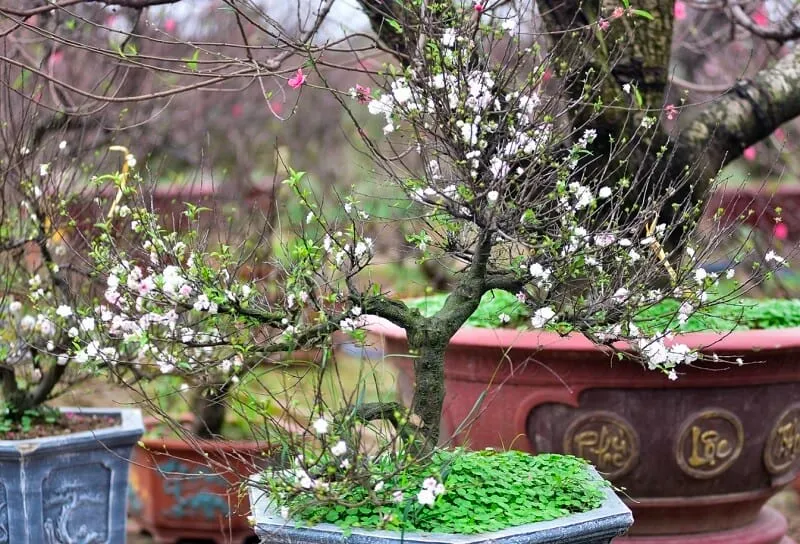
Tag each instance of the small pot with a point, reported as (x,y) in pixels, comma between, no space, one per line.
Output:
(192,490)
(68,488)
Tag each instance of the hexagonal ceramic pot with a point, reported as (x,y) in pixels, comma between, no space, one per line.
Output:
(598,526)
(68,489)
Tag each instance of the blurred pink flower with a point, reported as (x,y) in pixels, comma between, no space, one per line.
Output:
(170,25)
(297,81)
(671,111)
(780,134)
(237,110)
(760,18)
(55,58)
(749,154)
(781,231)
(479,7)
(363,94)
(679,10)
(617,13)
(603,24)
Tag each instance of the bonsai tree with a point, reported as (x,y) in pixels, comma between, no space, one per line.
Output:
(543,169)
(546,171)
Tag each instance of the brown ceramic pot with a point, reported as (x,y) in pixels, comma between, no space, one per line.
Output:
(700,454)
(181,490)
(757,206)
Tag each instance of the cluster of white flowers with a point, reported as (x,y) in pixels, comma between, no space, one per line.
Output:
(431,488)
(353,322)
(542,317)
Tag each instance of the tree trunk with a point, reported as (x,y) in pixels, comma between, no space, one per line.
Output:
(428,347)
(209,410)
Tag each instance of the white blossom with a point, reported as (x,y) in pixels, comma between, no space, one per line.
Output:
(320,426)
(449,38)
(426,497)
(339,449)
(620,295)
(88,324)
(771,256)
(542,316)
(700,275)
(509,25)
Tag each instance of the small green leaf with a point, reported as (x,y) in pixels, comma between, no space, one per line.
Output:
(191,63)
(643,13)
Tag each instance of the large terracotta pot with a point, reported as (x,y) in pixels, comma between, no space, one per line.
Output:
(700,454)
(170,202)
(761,208)
(182,490)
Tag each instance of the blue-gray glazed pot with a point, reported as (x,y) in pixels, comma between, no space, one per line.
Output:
(68,489)
(598,526)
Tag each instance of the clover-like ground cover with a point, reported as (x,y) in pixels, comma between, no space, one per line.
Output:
(482,491)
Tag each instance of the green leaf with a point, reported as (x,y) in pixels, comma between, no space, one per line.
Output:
(643,13)
(191,63)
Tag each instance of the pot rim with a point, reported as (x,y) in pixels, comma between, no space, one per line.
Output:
(126,432)
(745,341)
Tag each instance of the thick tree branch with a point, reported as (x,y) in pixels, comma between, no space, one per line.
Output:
(748,113)
(393,310)
(379,12)
(777,33)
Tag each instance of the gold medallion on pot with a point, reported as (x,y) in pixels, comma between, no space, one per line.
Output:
(709,442)
(606,440)
(782,449)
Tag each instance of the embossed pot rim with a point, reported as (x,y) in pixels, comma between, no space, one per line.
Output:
(610,519)
(129,428)
(744,341)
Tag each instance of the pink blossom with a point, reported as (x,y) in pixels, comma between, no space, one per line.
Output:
(55,58)
(781,231)
(760,18)
(671,111)
(112,296)
(146,286)
(185,290)
(170,25)
(297,81)
(237,110)
(603,24)
(780,134)
(679,10)
(617,13)
(479,7)
(749,154)
(363,94)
